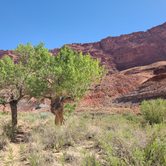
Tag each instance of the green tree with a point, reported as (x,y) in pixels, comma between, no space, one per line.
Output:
(15,77)
(68,75)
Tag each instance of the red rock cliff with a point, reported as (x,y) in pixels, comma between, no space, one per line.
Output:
(125,51)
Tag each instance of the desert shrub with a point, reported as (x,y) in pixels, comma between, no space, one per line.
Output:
(3,142)
(27,137)
(133,118)
(3,113)
(119,139)
(8,130)
(28,117)
(153,153)
(110,140)
(22,152)
(32,153)
(62,136)
(67,158)
(11,157)
(154,111)
(89,159)
(54,137)
(42,115)
(32,117)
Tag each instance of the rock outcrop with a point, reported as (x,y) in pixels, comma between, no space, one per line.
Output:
(111,86)
(126,51)
(7,52)
(153,88)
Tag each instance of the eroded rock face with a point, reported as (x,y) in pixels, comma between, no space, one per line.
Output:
(123,52)
(151,89)
(111,86)
(160,70)
(7,52)
(126,51)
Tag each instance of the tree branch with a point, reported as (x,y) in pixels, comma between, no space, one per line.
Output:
(20,97)
(58,82)
(20,89)
(26,77)
(49,82)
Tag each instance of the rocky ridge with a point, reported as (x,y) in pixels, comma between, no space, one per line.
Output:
(122,52)
(126,51)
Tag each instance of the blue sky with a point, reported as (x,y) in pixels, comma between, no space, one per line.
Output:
(59,22)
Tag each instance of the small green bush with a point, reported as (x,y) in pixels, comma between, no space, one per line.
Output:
(133,118)
(153,153)
(3,113)
(154,111)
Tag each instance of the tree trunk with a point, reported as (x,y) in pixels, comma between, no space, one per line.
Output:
(13,106)
(57,109)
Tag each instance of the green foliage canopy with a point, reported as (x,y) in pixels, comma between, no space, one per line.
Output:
(15,76)
(68,74)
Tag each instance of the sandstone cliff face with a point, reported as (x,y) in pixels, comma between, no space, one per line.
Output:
(123,52)
(7,52)
(151,89)
(126,51)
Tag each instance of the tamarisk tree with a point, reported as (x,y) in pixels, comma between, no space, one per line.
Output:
(15,78)
(67,76)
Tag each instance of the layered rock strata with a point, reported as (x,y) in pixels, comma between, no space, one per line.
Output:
(153,88)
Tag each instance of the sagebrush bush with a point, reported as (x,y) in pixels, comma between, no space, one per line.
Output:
(133,118)
(3,142)
(3,113)
(8,130)
(154,111)
(153,153)
(67,135)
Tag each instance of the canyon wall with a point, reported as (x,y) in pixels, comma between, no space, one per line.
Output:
(122,52)
(126,51)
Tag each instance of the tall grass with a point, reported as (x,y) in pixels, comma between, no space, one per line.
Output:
(93,140)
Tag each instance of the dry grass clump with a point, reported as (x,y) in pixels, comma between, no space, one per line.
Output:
(5,132)
(53,137)
(3,142)
(33,155)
